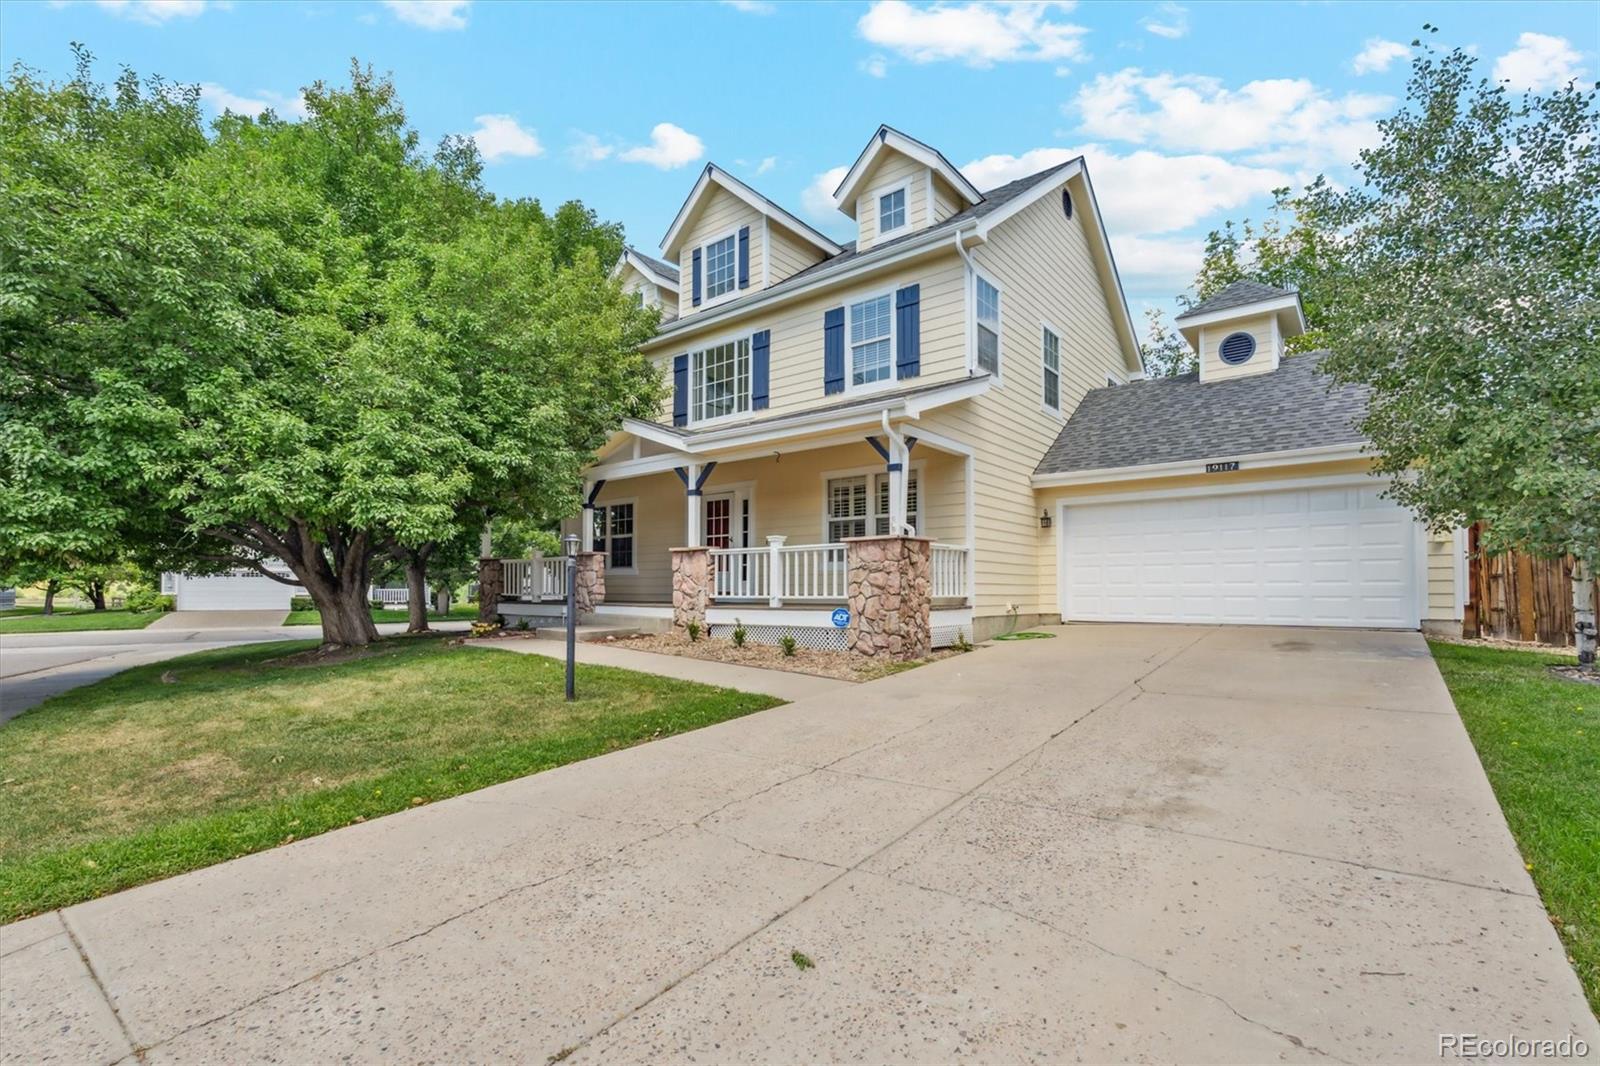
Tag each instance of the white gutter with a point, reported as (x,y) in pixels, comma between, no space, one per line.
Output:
(1326,453)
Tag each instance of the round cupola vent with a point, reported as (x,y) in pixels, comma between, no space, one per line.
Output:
(1237,348)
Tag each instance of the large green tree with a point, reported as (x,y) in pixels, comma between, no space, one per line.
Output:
(1459,279)
(305,341)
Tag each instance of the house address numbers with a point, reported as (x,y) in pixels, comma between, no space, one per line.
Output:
(1222,468)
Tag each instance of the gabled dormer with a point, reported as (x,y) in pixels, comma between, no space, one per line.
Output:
(652,283)
(1242,329)
(897,186)
(729,241)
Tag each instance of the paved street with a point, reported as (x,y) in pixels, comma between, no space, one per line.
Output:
(1147,843)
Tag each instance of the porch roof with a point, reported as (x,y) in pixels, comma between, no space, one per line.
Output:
(724,440)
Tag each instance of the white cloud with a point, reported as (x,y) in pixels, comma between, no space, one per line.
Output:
(1170,21)
(1280,121)
(1163,266)
(431,14)
(220,99)
(1538,62)
(875,65)
(978,34)
(766,164)
(1143,191)
(153,12)
(1377,54)
(589,149)
(752,7)
(500,137)
(817,198)
(670,147)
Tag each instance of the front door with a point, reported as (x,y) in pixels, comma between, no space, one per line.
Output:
(720,532)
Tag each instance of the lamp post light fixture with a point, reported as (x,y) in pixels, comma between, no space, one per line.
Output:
(571,542)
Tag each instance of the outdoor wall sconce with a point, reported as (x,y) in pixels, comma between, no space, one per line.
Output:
(1044,520)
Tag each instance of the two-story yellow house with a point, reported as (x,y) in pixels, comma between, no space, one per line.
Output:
(931,377)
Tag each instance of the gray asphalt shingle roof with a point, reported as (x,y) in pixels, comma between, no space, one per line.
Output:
(992,201)
(661,265)
(1174,419)
(1238,294)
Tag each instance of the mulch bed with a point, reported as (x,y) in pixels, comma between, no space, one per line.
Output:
(839,665)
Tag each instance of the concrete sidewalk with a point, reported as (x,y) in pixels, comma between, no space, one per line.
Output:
(783,684)
(1126,843)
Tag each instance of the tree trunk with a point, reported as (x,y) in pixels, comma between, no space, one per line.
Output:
(97,594)
(346,615)
(417,587)
(1583,622)
(50,588)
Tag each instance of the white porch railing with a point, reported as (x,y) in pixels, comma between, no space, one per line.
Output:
(802,573)
(949,566)
(390,597)
(534,579)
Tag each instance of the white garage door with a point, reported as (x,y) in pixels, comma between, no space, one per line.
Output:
(233,593)
(1339,556)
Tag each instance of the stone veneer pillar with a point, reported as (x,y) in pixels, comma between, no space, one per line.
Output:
(691,586)
(490,584)
(590,589)
(890,593)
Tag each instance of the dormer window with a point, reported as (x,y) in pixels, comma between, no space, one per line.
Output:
(891,210)
(722,264)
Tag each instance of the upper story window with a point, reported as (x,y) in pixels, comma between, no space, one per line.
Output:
(871,358)
(891,211)
(722,266)
(719,379)
(1052,370)
(988,323)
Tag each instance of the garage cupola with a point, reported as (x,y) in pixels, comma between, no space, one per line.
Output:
(1242,329)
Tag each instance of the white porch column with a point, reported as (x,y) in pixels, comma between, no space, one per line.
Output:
(775,588)
(591,489)
(695,515)
(485,543)
(899,457)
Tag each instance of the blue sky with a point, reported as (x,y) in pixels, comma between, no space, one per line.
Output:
(1188,113)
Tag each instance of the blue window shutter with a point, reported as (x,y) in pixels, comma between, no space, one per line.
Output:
(744,257)
(833,351)
(760,366)
(908,331)
(680,390)
(697,277)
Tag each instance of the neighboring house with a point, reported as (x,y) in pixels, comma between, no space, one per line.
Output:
(967,369)
(237,590)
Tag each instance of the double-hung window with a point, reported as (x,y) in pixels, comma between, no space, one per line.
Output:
(860,505)
(1052,370)
(891,211)
(720,380)
(613,534)
(988,316)
(722,262)
(870,326)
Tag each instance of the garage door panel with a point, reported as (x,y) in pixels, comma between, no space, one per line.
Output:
(1325,556)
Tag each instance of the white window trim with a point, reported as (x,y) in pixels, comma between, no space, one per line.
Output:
(625,570)
(850,388)
(868,472)
(1059,411)
(877,207)
(706,299)
(716,342)
(972,327)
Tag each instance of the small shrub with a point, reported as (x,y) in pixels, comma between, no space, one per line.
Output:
(141,600)
(787,644)
(378,605)
(693,629)
(962,644)
(302,603)
(522,624)
(739,633)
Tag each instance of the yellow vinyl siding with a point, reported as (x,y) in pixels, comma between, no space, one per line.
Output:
(890,172)
(1441,579)
(1042,262)
(1212,368)
(787,497)
(719,214)
(790,254)
(632,281)
(946,201)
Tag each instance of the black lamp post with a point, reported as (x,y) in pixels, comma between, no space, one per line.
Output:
(572,614)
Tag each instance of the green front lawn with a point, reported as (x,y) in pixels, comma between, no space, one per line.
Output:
(459,612)
(184,763)
(1539,739)
(72,620)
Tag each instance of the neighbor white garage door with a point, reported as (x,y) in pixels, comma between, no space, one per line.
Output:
(233,592)
(1339,556)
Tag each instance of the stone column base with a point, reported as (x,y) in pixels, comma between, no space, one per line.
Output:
(691,586)
(589,590)
(490,585)
(890,593)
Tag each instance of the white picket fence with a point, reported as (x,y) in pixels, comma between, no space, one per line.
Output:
(812,573)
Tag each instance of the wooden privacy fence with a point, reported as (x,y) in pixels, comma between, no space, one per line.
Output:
(1516,596)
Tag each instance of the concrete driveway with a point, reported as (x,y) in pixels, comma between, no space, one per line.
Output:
(1126,843)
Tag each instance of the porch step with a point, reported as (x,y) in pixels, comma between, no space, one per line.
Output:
(588,634)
